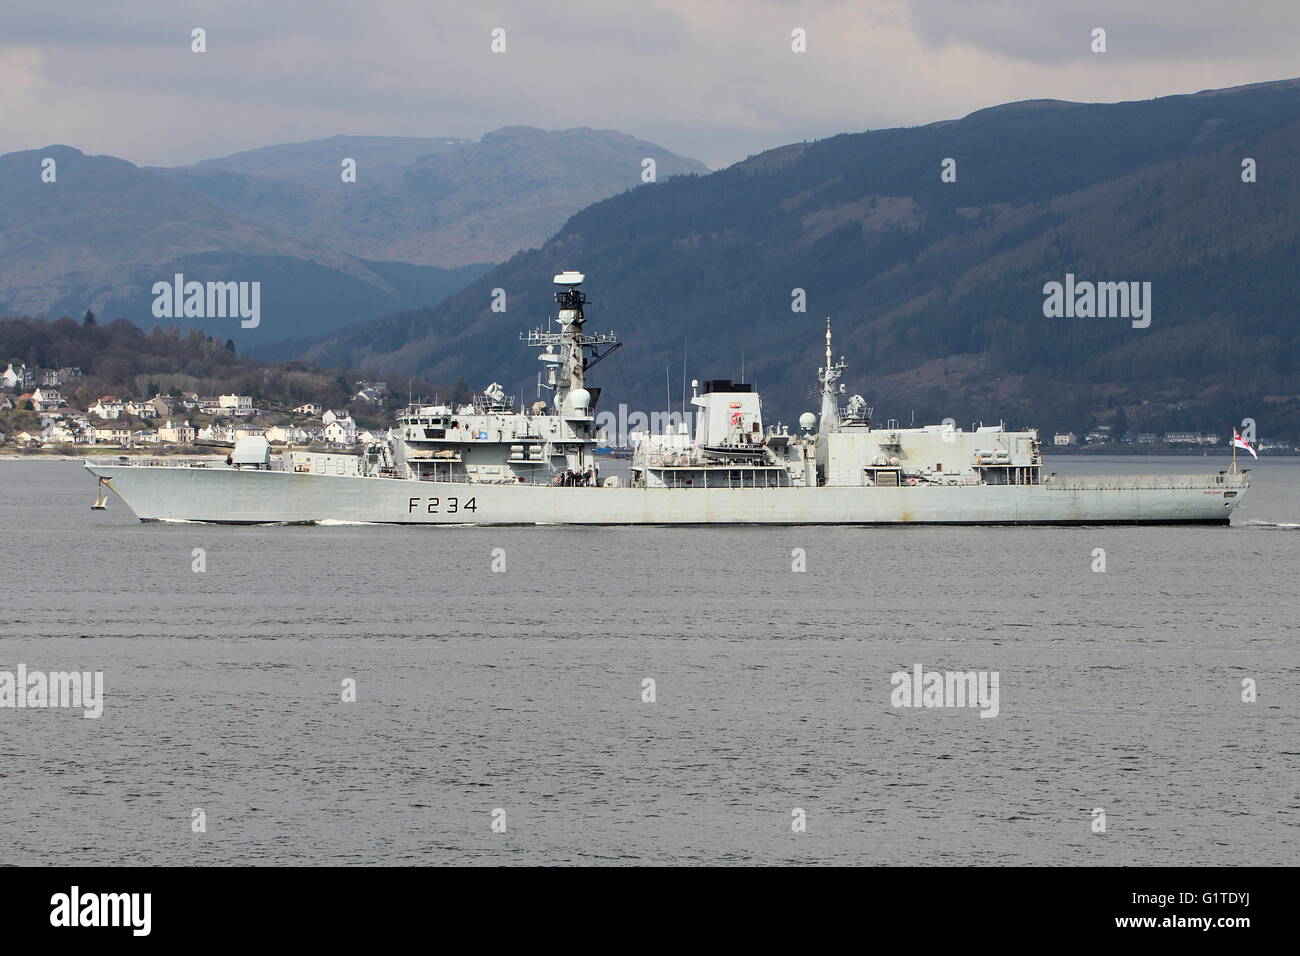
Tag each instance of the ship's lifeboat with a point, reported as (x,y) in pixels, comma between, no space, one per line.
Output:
(745,452)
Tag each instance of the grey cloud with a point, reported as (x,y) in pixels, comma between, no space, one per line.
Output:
(714,79)
(1049,31)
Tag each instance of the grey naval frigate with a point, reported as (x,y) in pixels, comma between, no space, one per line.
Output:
(495,461)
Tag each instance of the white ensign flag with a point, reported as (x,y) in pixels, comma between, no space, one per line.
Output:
(1239,442)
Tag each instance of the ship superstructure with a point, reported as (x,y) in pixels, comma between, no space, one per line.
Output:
(499,460)
(494,439)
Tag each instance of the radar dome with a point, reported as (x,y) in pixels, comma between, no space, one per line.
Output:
(807,421)
(581,399)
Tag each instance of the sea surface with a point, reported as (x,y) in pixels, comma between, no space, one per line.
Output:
(521,691)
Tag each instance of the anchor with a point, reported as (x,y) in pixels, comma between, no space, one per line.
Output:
(101,499)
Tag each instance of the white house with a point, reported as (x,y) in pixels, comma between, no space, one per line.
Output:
(340,429)
(1066,439)
(112,433)
(216,432)
(236,404)
(44,399)
(17,376)
(286,435)
(108,408)
(178,433)
(60,432)
(308,408)
(247,431)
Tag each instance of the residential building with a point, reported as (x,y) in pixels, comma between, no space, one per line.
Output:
(1068,438)
(163,407)
(339,428)
(286,435)
(112,433)
(216,432)
(108,408)
(178,433)
(61,431)
(308,408)
(239,405)
(17,377)
(44,399)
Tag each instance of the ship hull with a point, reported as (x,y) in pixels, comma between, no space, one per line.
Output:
(230,496)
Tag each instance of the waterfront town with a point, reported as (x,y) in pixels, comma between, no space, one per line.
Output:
(63,416)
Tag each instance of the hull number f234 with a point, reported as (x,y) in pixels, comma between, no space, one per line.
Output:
(445,506)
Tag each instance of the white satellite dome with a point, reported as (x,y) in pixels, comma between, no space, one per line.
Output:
(807,421)
(580,398)
(569,277)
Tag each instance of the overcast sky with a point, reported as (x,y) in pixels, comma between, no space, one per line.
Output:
(712,79)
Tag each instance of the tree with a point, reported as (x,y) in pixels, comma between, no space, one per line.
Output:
(1119,427)
(230,346)
(89,318)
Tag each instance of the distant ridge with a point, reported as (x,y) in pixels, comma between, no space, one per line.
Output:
(424,217)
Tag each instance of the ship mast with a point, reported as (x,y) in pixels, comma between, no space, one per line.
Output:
(578,350)
(827,377)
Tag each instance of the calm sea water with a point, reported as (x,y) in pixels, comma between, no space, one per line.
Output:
(521,690)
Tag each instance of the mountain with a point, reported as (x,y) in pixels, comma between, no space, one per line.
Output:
(105,231)
(937,288)
(443,202)
(316,162)
(424,218)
